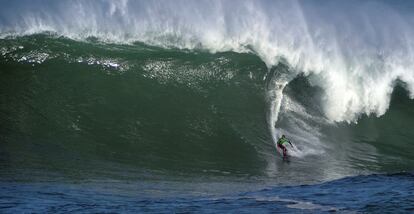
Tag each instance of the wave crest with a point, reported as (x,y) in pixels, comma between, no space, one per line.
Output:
(354,50)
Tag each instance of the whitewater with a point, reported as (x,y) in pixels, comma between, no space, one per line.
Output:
(356,51)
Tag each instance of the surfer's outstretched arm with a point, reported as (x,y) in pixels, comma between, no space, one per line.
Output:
(290,143)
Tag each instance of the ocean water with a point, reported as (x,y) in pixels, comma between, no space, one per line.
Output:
(175,107)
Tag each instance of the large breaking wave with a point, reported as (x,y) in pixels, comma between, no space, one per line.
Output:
(356,50)
(315,64)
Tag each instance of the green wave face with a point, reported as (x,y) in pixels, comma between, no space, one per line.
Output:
(107,109)
(66,102)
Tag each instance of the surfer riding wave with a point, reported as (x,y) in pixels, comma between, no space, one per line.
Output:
(281,144)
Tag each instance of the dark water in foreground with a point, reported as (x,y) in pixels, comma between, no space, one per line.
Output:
(392,193)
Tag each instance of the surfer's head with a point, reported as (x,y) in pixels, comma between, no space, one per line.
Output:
(283,136)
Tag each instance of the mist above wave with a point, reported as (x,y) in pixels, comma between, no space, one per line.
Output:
(354,50)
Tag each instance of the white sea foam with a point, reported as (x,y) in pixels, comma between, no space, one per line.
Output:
(303,205)
(354,50)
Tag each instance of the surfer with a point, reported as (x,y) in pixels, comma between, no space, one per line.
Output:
(280,144)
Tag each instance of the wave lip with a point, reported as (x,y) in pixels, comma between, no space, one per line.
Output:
(357,64)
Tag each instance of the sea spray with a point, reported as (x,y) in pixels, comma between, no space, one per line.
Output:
(356,50)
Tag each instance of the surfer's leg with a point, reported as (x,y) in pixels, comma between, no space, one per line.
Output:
(284,150)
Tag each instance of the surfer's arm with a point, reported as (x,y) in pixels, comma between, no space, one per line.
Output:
(290,143)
